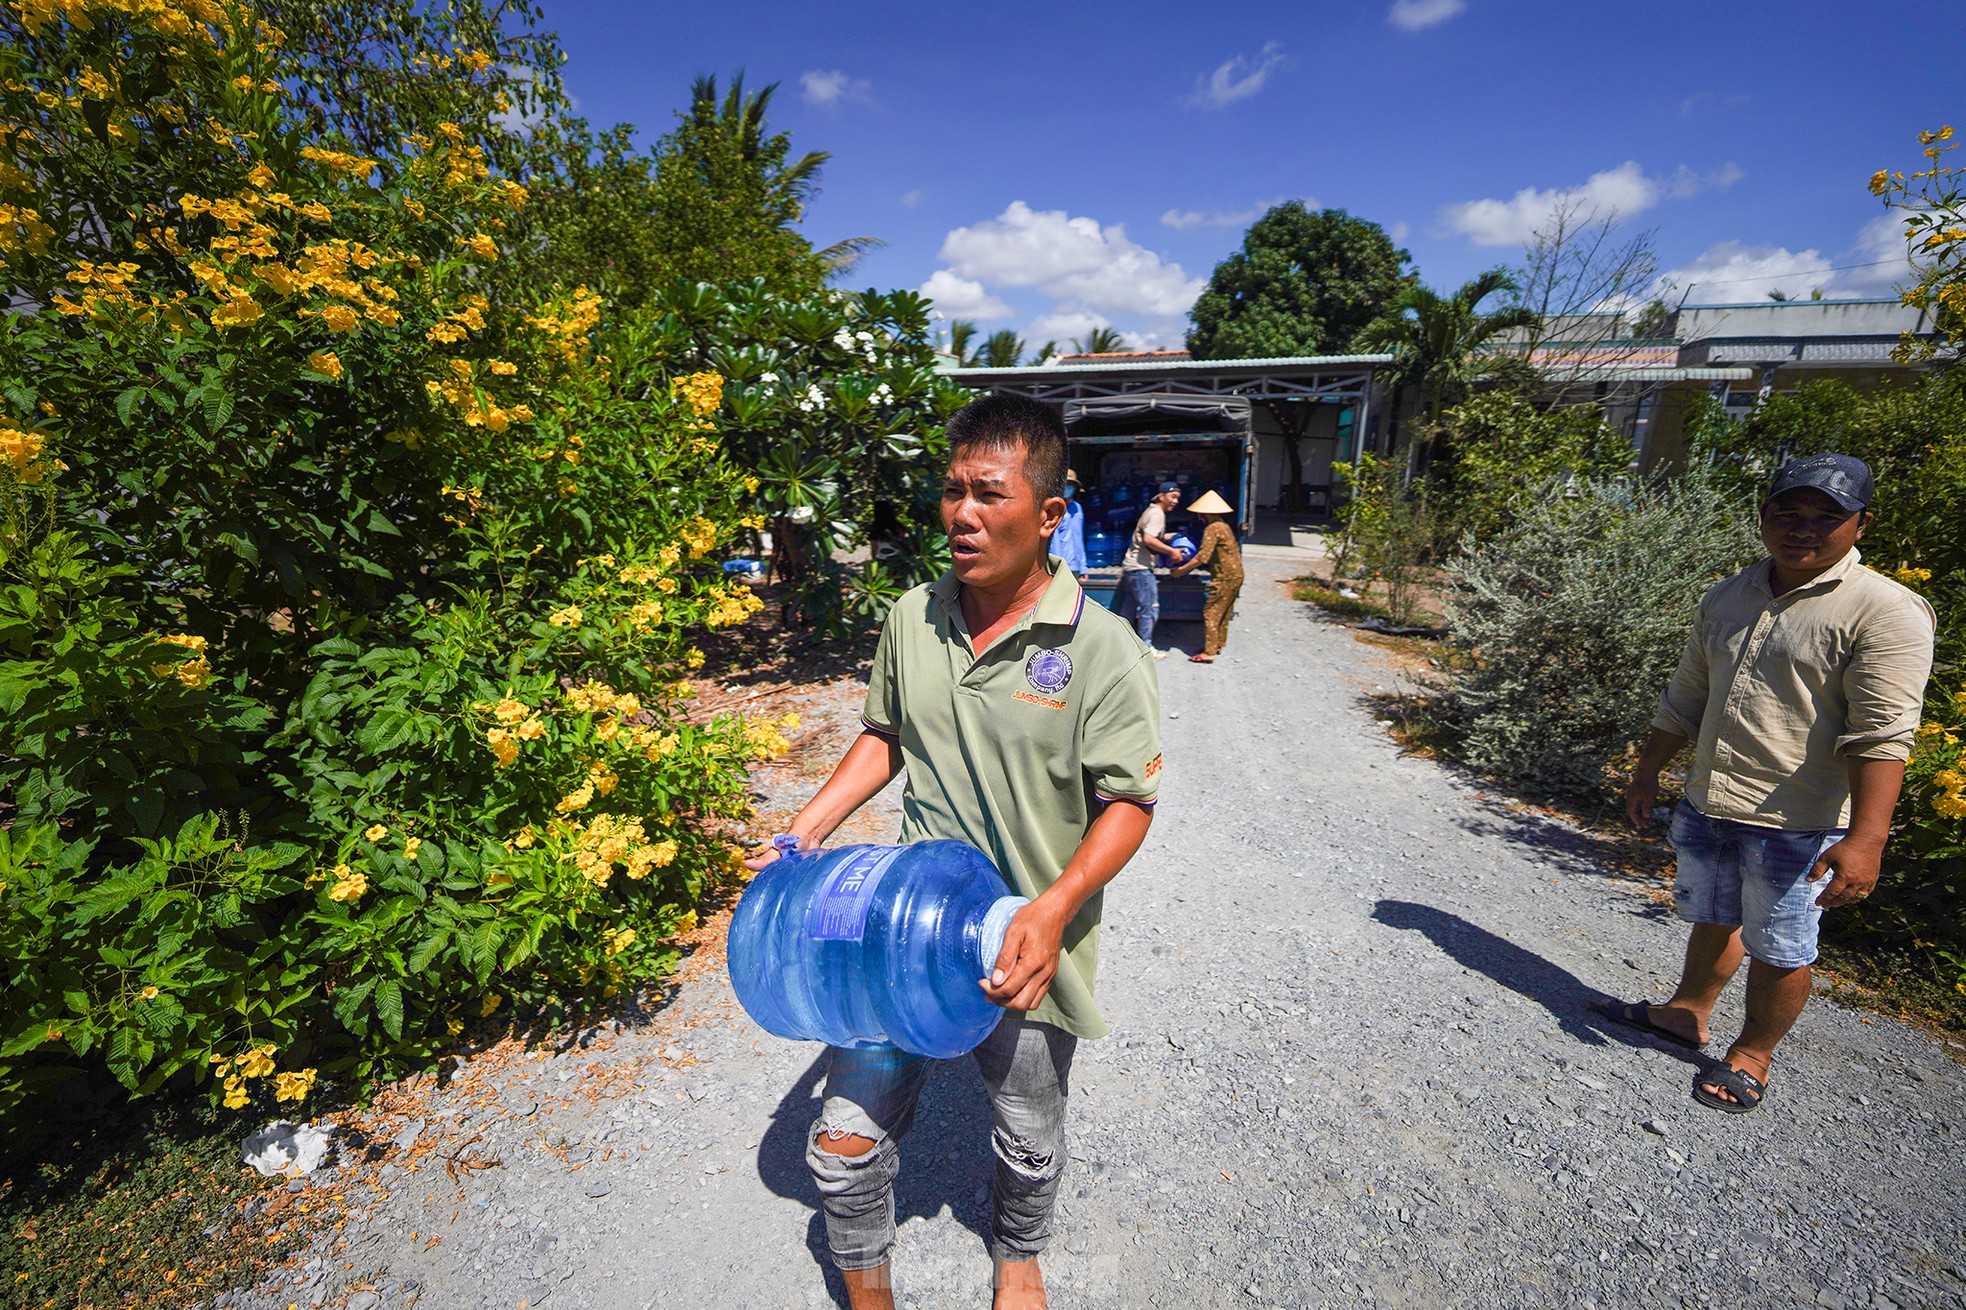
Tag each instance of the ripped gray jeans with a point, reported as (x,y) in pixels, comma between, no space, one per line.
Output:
(1026,1068)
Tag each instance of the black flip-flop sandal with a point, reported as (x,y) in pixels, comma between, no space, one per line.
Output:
(1746,1088)
(1638,1014)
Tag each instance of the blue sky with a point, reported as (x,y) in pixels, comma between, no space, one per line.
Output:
(1049,167)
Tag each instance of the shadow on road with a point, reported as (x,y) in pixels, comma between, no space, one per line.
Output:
(1570,847)
(1567,997)
(945,1159)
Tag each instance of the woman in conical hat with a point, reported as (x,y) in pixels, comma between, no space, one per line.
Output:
(1224,559)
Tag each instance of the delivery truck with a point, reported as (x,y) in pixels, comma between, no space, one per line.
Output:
(1123,447)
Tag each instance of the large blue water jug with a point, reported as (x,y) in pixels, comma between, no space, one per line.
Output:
(1182,542)
(873,946)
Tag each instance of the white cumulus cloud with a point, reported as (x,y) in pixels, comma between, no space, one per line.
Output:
(1738,271)
(1237,78)
(1624,191)
(829,88)
(1413,15)
(1735,271)
(1511,222)
(1884,256)
(1064,326)
(1075,260)
(961,297)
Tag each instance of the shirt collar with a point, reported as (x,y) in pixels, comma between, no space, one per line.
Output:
(1764,577)
(1062,603)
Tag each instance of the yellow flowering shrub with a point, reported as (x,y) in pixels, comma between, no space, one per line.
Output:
(1932,201)
(430,627)
(1922,901)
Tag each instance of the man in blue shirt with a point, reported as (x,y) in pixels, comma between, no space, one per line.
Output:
(1068,542)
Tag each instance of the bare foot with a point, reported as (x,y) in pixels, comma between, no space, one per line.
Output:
(1674,1020)
(1757,1065)
(1020,1286)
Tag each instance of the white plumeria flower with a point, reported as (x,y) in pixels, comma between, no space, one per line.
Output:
(768,377)
(843,339)
(800,514)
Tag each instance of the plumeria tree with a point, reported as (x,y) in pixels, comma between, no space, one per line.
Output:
(832,403)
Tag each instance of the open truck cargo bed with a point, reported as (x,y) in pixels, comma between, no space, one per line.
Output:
(1122,446)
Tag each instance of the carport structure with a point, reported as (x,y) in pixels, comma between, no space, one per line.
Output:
(1307,411)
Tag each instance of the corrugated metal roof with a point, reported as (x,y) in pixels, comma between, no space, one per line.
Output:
(1616,375)
(1119,357)
(1039,372)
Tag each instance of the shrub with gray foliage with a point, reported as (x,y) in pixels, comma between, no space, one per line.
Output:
(1571,619)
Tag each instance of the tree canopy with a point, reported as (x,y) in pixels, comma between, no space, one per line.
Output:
(1304,283)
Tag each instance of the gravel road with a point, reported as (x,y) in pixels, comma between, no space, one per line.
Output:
(1353,1064)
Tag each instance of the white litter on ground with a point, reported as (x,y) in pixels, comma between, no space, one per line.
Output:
(286,1148)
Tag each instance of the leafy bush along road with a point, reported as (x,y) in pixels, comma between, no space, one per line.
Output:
(1363,1003)
(346,601)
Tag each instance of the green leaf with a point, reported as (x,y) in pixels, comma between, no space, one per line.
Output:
(348,1002)
(389,1006)
(426,951)
(218,406)
(25,1040)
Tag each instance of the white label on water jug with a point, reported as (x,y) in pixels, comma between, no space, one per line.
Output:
(839,912)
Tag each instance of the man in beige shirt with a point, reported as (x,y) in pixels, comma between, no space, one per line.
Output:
(1800,687)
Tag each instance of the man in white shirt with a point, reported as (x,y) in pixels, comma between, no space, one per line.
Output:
(1139,589)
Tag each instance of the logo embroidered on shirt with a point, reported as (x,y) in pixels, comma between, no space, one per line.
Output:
(1153,766)
(1029,699)
(1048,671)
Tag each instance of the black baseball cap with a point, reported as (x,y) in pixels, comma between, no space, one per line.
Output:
(1845,479)
(1166,487)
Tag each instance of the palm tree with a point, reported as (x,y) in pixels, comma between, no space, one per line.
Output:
(1436,343)
(961,333)
(740,118)
(1001,349)
(1102,340)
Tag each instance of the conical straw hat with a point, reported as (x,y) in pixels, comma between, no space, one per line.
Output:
(1210,503)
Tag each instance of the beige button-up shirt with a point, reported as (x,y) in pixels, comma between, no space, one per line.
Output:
(1780,693)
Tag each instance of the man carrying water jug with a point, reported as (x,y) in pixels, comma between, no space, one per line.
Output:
(1029,724)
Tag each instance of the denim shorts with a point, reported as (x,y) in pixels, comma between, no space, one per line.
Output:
(1754,878)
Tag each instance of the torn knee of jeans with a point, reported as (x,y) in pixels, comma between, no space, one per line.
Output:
(843,1143)
(1024,1155)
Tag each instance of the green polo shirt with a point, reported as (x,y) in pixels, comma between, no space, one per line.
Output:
(1015,751)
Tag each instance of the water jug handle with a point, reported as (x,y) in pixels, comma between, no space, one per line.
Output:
(786,845)
(996,922)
